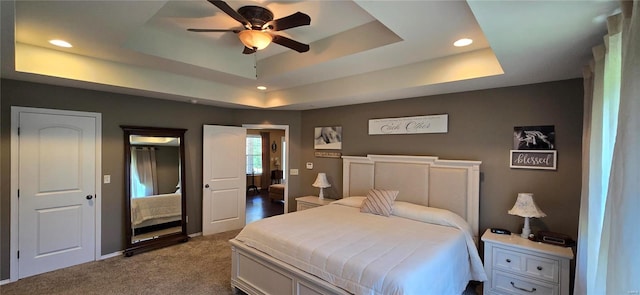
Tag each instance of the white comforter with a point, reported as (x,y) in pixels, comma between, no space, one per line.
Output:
(157,206)
(370,254)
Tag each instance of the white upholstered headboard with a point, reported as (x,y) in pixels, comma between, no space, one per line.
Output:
(447,184)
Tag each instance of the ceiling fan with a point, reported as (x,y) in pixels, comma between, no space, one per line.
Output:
(258,26)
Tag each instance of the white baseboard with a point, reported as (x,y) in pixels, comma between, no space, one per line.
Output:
(114,254)
(5,282)
(193,235)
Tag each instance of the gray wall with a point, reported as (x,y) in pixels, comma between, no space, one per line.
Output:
(118,109)
(480,128)
(167,168)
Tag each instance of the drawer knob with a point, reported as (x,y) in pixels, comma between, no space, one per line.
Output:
(508,260)
(539,267)
(523,289)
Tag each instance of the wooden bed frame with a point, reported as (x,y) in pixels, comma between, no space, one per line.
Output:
(447,184)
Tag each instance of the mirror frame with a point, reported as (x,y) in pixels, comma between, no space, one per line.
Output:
(168,239)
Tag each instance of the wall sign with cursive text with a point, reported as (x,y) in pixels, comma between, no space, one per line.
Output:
(409,125)
(534,159)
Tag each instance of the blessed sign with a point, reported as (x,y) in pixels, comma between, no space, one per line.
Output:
(409,125)
(534,159)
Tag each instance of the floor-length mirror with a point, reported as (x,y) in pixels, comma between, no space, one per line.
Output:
(155,197)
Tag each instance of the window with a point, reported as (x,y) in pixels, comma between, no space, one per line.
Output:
(254,154)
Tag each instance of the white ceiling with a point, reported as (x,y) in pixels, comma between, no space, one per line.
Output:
(361,50)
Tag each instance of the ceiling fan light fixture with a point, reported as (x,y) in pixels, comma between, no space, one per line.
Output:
(255,39)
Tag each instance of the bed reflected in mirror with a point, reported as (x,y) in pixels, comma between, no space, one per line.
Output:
(155,196)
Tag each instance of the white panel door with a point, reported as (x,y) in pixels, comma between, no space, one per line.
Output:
(57,164)
(224,179)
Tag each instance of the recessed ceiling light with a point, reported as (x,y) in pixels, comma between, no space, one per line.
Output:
(463,42)
(262,87)
(60,43)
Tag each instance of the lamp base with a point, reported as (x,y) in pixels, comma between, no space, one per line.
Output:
(526,231)
(321,196)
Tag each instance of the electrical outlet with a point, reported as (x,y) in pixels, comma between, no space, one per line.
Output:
(309,165)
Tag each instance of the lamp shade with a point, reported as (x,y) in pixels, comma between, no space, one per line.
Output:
(255,39)
(526,207)
(321,181)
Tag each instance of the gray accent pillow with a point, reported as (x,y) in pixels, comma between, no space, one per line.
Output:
(379,202)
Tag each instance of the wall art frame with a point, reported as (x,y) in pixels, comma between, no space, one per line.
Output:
(534,159)
(327,138)
(410,125)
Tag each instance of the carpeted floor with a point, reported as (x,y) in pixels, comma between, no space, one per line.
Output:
(200,266)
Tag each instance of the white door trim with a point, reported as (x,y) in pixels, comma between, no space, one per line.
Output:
(286,138)
(15,111)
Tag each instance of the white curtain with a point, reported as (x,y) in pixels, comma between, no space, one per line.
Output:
(608,257)
(144,179)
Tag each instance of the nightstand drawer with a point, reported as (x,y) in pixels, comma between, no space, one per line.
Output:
(507,260)
(514,284)
(305,206)
(525,264)
(515,265)
(308,202)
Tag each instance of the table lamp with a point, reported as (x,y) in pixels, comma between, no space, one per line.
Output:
(527,208)
(322,183)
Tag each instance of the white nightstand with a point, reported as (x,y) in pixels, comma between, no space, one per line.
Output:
(309,202)
(516,265)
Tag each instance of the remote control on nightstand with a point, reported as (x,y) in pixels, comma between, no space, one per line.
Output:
(500,231)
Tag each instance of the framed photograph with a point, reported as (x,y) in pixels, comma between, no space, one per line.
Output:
(534,159)
(534,138)
(328,138)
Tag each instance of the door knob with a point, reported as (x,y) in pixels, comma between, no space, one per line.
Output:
(89,197)
(206,185)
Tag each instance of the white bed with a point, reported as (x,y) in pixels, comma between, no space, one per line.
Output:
(334,249)
(156,209)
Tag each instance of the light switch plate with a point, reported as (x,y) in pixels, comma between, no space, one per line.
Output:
(107,178)
(293,172)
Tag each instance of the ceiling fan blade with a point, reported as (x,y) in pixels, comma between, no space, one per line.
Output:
(295,20)
(286,42)
(212,30)
(231,12)
(248,50)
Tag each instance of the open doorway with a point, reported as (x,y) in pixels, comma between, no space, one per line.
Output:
(266,152)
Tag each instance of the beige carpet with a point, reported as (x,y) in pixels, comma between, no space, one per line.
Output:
(200,266)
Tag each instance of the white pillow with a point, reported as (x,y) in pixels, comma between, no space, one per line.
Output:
(430,215)
(379,202)
(355,201)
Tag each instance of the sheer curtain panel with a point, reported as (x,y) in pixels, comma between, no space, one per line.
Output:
(144,177)
(608,258)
